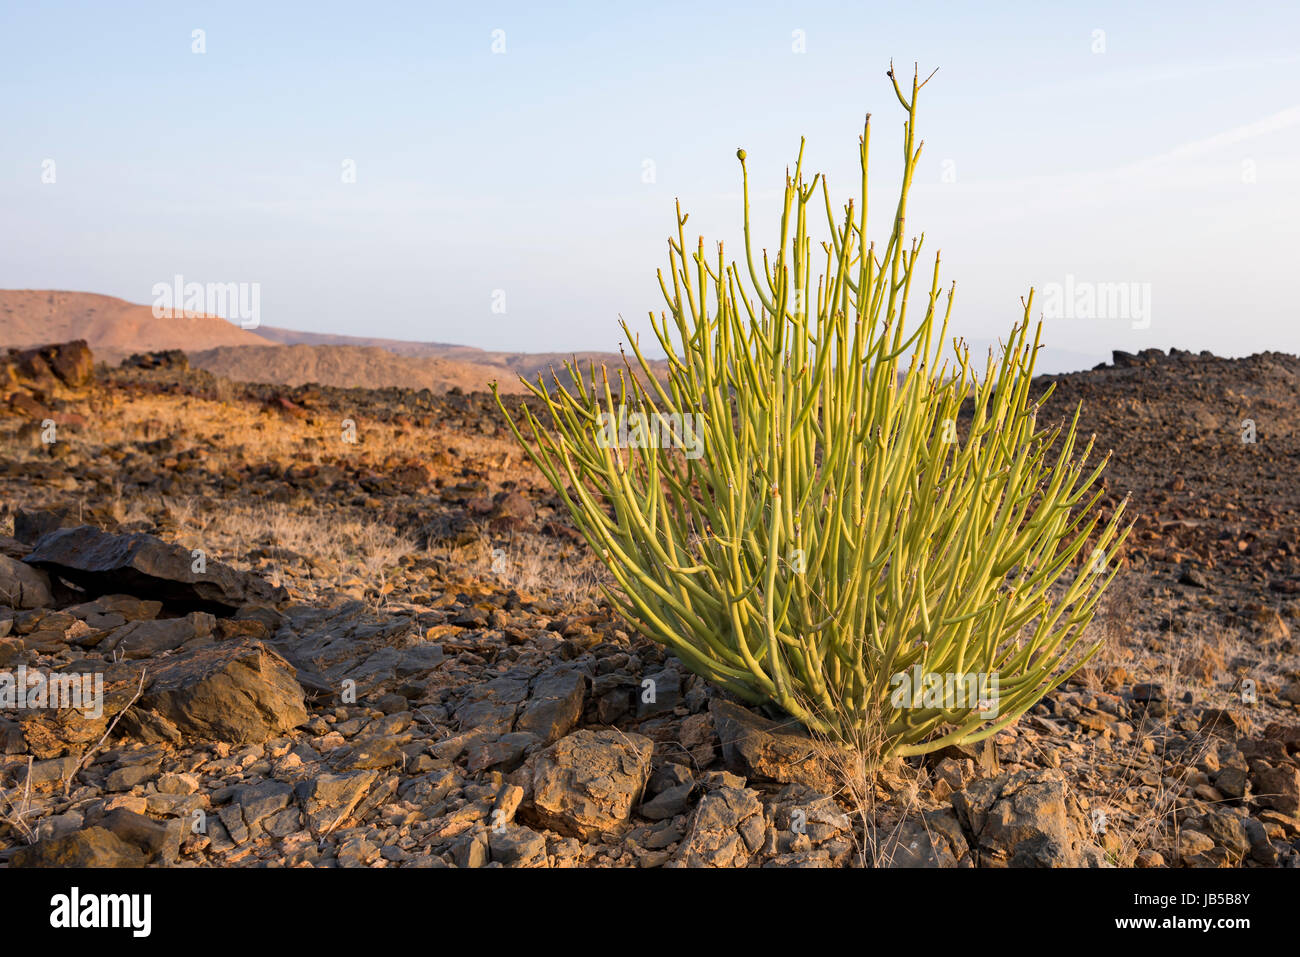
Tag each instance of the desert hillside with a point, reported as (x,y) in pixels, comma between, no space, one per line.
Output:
(398,654)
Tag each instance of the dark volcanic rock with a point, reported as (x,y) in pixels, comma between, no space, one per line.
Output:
(555,704)
(236,692)
(725,830)
(1025,819)
(139,564)
(71,362)
(328,799)
(31,525)
(517,846)
(512,511)
(1278,788)
(1121,359)
(22,586)
(146,639)
(452,529)
(588,783)
(934,839)
(164,359)
(764,750)
(48,368)
(158,841)
(92,847)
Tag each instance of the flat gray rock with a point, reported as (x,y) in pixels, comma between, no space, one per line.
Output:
(104,563)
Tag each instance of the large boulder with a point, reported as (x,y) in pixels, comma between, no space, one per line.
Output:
(588,783)
(238,692)
(1026,819)
(102,563)
(726,829)
(554,703)
(71,362)
(175,359)
(31,524)
(328,799)
(147,639)
(1277,788)
(48,369)
(763,750)
(930,840)
(91,847)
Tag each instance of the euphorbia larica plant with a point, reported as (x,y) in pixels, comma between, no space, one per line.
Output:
(827,527)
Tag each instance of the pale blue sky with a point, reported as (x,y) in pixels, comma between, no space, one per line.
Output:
(1170,159)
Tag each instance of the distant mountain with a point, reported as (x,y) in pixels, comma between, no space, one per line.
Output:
(401,347)
(526,364)
(113,328)
(366,367)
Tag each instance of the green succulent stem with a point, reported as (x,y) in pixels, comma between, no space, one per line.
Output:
(834,531)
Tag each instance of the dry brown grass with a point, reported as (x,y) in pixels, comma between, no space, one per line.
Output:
(334,548)
(879,799)
(536,564)
(1139,820)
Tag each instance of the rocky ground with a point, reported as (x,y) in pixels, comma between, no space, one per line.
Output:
(349,627)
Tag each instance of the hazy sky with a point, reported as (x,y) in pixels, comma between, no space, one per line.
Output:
(1154,145)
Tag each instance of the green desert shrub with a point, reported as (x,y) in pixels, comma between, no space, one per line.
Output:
(818,507)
